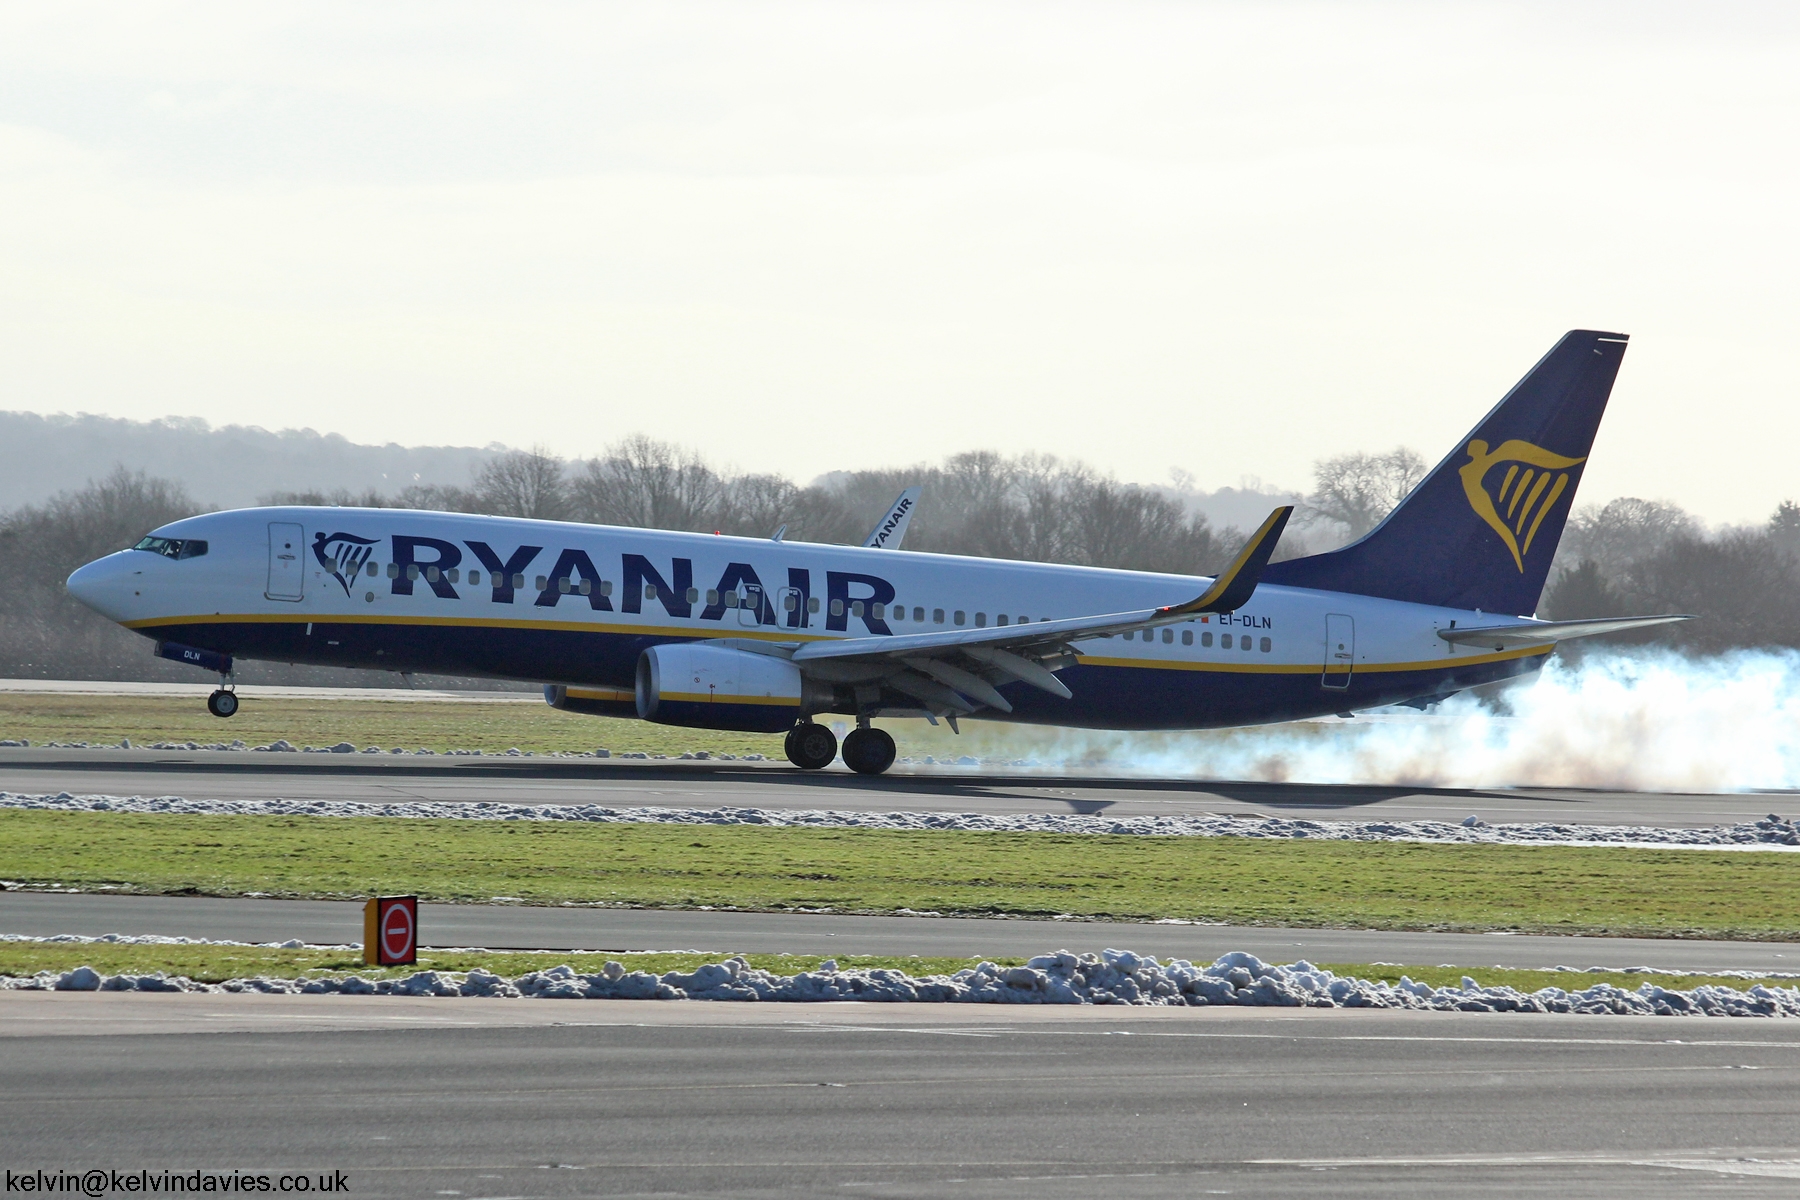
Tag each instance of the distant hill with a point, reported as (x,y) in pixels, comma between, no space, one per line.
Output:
(227,467)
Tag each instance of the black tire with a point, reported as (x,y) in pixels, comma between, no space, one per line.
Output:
(811,746)
(868,751)
(222,703)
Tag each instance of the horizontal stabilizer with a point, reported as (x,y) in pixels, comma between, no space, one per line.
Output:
(1544,633)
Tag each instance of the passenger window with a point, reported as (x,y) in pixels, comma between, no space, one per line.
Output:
(790,602)
(1149,635)
(1187,637)
(587,587)
(543,585)
(981,620)
(1168,636)
(374,570)
(393,570)
(856,608)
(937,614)
(837,608)
(474,577)
(959,616)
(899,611)
(1225,641)
(693,595)
(1206,639)
(412,570)
(712,597)
(649,590)
(1245,641)
(812,604)
(605,587)
(878,611)
(1267,645)
(919,615)
(731,599)
(1024,620)
(518,581)
(453,574)
(431,574)
(999,620)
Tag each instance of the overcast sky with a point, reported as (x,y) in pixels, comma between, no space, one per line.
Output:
(1217,237)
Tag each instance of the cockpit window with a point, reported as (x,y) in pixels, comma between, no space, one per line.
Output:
(173,547)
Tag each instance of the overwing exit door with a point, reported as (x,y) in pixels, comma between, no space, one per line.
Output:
(750,608)
(287,574)
(1340,650)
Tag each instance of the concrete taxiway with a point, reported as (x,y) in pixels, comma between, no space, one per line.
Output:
(46,914)
(544,1098)
(627,783)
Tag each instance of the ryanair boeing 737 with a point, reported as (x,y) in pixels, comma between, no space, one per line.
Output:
(765,635)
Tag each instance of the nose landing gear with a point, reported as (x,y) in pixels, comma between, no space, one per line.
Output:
(224,701)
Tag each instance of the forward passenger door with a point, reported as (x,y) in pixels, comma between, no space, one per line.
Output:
(287,574)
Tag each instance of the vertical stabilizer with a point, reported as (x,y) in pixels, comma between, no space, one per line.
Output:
(1481,529)
(891,529)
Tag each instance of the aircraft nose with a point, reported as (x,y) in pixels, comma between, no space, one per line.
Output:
(103,585)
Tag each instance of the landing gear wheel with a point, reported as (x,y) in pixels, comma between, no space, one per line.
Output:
(811,746)
(222,703)
(868,751)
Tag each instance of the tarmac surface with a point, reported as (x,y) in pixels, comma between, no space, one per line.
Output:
(46,914)
(596,1098)
(674,784)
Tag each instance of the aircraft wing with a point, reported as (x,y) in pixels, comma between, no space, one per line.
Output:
(925,665)
(1544,633)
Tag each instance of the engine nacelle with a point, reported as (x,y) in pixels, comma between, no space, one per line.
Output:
(715,687)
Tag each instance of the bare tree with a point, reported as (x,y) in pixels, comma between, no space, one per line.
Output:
(1358,490)
(1623,531)
(524,483)
(649,485)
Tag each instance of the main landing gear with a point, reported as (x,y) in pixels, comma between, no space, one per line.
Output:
(810,746)
(867,750)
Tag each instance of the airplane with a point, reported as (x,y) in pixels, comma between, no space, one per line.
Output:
(765,635)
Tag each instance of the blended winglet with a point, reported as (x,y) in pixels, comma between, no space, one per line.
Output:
(1232,589)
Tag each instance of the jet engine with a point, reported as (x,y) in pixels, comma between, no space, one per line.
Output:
(716,687)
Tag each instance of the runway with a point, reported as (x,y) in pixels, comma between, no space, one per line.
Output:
(624,783)
(538,1098)
(46,914)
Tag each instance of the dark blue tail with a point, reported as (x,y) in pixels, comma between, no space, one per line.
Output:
(1481,529)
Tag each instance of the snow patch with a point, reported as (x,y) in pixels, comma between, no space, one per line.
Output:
(1112,977)
(1773,832)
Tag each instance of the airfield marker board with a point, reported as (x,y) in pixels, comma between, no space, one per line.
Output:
(391,931)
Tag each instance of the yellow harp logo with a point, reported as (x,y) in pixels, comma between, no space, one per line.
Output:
(1535,480)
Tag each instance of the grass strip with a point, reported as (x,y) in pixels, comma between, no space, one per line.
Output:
(215,964)
(1603,891)
(412,724)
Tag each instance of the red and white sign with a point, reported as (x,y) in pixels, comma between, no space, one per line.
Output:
(391,931)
